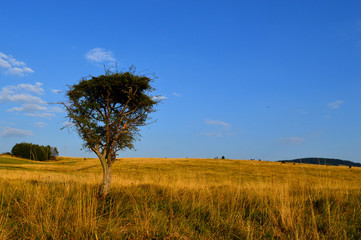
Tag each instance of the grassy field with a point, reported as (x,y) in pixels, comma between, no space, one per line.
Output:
(178,199)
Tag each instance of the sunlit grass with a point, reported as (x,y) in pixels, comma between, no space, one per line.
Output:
(179,199)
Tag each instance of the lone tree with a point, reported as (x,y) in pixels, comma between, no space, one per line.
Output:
(107,112)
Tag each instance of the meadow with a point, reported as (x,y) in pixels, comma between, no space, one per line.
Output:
(158,198)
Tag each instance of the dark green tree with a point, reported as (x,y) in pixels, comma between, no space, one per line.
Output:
(21,150)
(33,151)
(54,153)
(107,112)
(48,152)
(38,153)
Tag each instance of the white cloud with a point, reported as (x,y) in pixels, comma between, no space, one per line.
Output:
(292,140)
(4,64)
(176,94)
(13,66)
(36,88)
(21,98)
(99,55)
(16,63)
(32,106)
(159,98)
(14,132)
(336,104)
(16,93)
(28,70)
(56,91)
(216,122)
(16,71)
(29,108)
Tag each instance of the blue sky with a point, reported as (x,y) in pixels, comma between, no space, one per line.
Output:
(265,79)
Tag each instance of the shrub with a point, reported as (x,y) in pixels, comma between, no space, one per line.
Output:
(6,153)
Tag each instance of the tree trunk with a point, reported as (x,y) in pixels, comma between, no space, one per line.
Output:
(107,178)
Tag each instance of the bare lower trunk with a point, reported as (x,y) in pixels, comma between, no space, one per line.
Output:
(107,178)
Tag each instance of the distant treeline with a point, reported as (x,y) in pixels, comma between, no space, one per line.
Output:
(324,161)
(34,151)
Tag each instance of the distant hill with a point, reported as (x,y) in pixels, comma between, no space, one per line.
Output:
(324,161)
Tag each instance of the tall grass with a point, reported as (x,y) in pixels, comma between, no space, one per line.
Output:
(180,199)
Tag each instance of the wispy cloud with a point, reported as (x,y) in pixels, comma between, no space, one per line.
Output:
(29,108)
(159,98)
(219,129)
(55,109)
(100,55)
(218,133)
(12,66)
(68,124)
(15,132)
(176,94)
(213,134)
(56,91)
(41,115)
(36,110)
(216,122)
(336,104)
(291,140)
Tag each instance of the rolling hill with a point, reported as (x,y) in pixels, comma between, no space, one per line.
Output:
(324,161)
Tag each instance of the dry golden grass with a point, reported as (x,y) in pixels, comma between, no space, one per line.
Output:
(179,199)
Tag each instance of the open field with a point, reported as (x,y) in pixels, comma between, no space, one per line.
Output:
(178,199)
